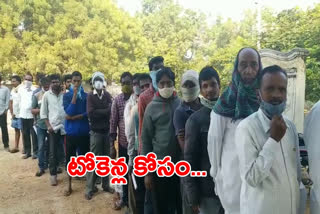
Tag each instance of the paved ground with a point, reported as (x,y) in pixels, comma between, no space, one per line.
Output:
(22,192)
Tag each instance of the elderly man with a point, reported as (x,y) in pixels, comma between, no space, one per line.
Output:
(237,102)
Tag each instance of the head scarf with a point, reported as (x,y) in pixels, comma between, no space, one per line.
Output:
(190,93)
(192,76)
(239,100)
(98,74)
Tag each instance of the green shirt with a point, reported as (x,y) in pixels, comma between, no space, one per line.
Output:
(36,104)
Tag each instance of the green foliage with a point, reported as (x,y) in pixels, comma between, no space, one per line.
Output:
(59,36)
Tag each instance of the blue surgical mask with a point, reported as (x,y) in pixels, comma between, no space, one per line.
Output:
(153,75)
(271,110)
(136,90)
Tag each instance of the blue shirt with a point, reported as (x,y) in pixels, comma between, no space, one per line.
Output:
(181,115)
(76,127)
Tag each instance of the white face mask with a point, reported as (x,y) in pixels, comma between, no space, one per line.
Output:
(98,85)
(166,92)
(28,83)
(190,94)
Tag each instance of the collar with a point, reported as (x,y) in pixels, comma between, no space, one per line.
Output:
(95,92)
(265,121)
(186,107)
(50,91)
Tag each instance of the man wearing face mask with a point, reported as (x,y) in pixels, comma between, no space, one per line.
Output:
(99,108)
(200,191)
(25,96)
(239,100)
(77,124)
(191,103)
(268,148)
(136,197)
(41,127)
(117,125)
(155,64)
(158,136)
(190,91)
(132,101)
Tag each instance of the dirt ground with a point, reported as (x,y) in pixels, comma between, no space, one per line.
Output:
(22,192)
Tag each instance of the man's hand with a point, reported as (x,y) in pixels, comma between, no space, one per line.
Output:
(75,94)
(148,180)
(50,129)
(69,117)
(180,137)
(13,116)
(78,117)
(181,134)
(130,169)
(196,209)
(278,128)
(113,153)
(75,90)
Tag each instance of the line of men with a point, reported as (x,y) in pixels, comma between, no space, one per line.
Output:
(241,138)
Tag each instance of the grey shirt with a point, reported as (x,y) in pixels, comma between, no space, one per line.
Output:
(52,109)
(4,99)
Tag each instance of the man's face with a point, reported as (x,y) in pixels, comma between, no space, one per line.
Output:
(188,84)
(46,87)
(144,84)
(248,66)
(28,78)
(126,81)
(135,82)
(14,82)
(68,83)
(273,88)
(210,89)
(56,85)
(76,81)
(165,82)
(157,66)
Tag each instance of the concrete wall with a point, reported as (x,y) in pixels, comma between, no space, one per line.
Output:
(294,63)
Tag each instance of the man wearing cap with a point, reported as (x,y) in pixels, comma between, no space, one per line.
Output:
(98,109)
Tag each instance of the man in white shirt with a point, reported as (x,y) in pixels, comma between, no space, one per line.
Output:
(268,149)
(25,96)
(14,110)
(238,101)
(312,140)
(4,106)
(53,113)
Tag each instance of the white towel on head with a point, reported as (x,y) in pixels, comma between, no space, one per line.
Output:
(190,75)
(98,74)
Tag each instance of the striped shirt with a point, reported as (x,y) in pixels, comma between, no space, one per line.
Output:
(144,99)
(117,120)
